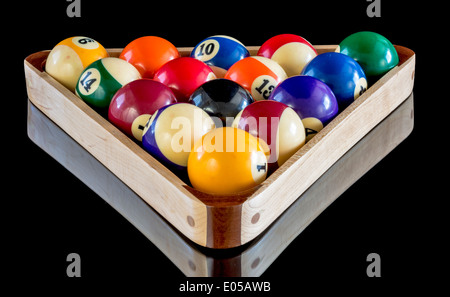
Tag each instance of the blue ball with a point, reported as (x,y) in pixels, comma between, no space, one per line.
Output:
(172,131)
(150,143)
(220,51)
(341,73)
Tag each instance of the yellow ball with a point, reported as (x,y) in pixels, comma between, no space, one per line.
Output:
(226,161)
(67,59)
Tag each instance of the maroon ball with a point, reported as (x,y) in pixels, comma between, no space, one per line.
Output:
(135,102)
(277,126)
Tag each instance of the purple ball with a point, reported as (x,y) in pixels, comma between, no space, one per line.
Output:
(308,96)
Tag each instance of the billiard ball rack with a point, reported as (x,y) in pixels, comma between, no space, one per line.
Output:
(210,220)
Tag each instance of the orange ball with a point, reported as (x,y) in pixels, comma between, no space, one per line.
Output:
(258,75)
(226,161)
(148,54)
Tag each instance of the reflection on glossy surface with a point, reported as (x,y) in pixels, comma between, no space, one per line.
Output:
(255,257)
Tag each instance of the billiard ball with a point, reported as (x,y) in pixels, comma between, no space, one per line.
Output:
(311,98)
(374,52)
(102,79)
(258,75)
(341,73)
(134,103)
(220,52)
(226,161)
(148,54)
(291,51)
(184,75)
(222,99)
(68,58)
(278,127)
(172,131)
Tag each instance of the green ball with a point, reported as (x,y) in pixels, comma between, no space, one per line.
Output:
(374,52)
(102,79)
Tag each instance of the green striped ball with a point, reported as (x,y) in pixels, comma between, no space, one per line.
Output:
(102,79)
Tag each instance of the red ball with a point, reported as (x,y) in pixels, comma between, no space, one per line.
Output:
(135,102)
(184,75)
(291,51)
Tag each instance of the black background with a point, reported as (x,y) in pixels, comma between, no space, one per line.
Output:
(394,210)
